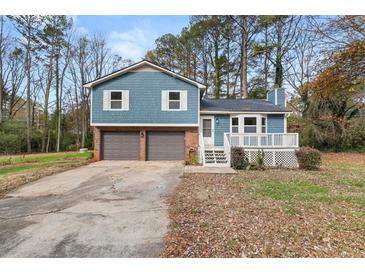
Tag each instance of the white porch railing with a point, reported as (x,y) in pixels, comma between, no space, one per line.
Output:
(270,140)
(227,149)
(201,148)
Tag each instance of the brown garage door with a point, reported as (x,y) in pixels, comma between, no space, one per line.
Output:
(164,145)
(120,145)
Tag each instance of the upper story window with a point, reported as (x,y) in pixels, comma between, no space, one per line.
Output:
(250,124)
(234,124)
(116,100)
(174,100)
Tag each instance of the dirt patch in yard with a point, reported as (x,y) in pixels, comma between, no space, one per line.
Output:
(272,213)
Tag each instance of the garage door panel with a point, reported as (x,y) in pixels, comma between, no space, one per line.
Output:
(165,145)
(120,145)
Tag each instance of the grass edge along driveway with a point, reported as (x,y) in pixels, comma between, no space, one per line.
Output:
(17,170)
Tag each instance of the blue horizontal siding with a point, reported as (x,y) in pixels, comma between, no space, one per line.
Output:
(271,96)
(275,123)
(280,97)
(145,100)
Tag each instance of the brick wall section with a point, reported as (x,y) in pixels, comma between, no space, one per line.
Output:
(142,145)
(97,142)
(191,142)
(191,139)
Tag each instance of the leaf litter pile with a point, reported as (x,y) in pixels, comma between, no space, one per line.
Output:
(271,213)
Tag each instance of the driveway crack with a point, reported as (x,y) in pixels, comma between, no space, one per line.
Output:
(33,214)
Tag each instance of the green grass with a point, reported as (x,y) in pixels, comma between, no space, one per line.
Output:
(43,157)
(358,183)
(293,191)
(18,163)
(287,191)
(14,169)
(350,167)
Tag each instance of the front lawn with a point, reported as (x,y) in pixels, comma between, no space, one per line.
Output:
(272,213)
(16,170)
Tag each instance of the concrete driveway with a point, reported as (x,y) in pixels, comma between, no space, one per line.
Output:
(105,209)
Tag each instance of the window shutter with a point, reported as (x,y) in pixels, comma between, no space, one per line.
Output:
(125,99)
(184,100)
(164,100)
(106,100)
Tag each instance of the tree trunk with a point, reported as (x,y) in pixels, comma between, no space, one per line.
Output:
(244,58)
(28,67)
(217,80)
(33,112)
(228,67)
(76,110)
(46,102)
(83,125)
(58,102)
(266,61)
(1,66)
(48,137)
(278,58)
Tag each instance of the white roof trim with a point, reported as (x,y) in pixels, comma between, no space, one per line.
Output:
(242,112)
(133,67)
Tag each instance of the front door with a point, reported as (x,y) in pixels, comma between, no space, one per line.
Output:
(208,130)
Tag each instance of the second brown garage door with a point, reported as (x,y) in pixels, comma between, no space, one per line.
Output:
(120,145)
(164,145)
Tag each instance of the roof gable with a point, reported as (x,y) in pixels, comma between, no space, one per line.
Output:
(142,66)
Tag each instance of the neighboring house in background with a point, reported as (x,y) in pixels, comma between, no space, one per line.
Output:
(19,111)
(146,112)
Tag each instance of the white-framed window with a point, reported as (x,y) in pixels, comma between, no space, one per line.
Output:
(207,127)
(263,124)
(174,100)
(234,124)
(250,124)
(116,100)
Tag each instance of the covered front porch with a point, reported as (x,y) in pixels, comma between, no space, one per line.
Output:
(279,148)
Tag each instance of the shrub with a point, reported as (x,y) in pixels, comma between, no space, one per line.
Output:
(238,158)
(355,135)
(308,158)
(193,155)
(10,143)
(260,160)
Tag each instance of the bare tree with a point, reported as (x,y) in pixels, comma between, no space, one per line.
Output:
(66,61)
(3,39)
(301,63)
(16,89)
(248,29)
(27,26)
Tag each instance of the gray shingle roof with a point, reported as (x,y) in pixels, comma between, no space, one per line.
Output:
(238,105)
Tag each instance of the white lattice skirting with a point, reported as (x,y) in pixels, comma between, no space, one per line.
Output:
(274,157)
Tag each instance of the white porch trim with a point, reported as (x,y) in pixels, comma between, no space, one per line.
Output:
(240,112)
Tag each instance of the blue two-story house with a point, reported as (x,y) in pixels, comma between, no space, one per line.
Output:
(146,112)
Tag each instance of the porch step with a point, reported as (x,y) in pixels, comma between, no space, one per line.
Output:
(216,157)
